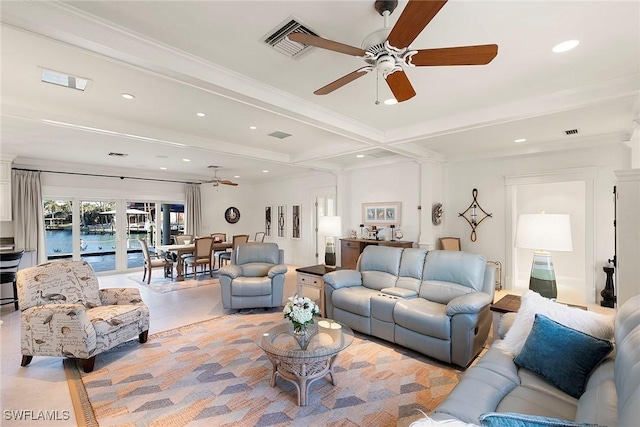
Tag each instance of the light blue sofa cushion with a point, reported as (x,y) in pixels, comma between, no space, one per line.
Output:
(411,265)
(510,419)
(379,266)
(561,355)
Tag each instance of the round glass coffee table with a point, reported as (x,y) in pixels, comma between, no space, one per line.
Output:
(303,360)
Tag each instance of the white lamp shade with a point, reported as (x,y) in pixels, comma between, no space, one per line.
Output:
(329,226)
(546,232)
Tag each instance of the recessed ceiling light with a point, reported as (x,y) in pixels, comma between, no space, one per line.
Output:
(163,168)
(520,140)
(265,171)
(565,46)
(360,156)
(390,101)
(253,127)
(186,160)
(128,96)
(200,114)
(236,176)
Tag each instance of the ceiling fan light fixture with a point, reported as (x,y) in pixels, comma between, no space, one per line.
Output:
(565,46)
(390,101)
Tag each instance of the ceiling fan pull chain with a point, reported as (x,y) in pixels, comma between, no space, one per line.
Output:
(377,87)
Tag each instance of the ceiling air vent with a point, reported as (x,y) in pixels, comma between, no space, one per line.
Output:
(277,38)
(571,131)
(280,135)
(118,154)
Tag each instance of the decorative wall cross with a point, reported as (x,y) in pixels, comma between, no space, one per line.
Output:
(473,214)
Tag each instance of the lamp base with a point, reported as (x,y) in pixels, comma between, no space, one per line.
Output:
(330,259)
(543,277)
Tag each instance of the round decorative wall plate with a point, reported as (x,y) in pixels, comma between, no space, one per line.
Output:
(232,215)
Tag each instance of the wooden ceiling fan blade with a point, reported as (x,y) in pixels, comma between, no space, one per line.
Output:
(400,86)
(464,55)
(316,41)
(227,182)
(415,16)
(337,84)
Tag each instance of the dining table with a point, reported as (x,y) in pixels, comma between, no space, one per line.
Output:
(180,250)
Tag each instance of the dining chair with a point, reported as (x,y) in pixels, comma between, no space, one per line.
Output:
(237,239)
(450,243)
(259,236)
(152,261)
(9,262)
(202,255)
(182,239)
(218,238)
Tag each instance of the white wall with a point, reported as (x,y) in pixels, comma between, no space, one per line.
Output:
(216,200)
(396,183)
(488,176)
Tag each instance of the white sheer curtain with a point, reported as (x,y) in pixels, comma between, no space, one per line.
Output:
(192,209)
(28,220)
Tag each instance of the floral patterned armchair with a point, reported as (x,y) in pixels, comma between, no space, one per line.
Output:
(64,313)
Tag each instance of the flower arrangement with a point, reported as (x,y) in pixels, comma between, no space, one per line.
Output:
(300,311)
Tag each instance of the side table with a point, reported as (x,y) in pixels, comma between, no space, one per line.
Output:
(312,276)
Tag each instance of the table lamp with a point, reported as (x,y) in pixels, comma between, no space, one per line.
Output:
(543,233)
(329,227)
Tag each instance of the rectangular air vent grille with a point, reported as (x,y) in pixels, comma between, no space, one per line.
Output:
(280,135)
(118,154)
(278,38)
(571,131)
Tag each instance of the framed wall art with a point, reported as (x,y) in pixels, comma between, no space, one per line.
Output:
(383,213)
(282,218)
(296,212)
(267,221)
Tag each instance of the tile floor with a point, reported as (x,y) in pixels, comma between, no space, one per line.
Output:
(42,386)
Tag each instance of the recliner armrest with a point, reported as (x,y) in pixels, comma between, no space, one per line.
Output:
(277,269)
(343,278)
(468,304)
(230,270)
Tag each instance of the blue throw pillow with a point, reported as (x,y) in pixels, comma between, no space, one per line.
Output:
(510,419)
(561,355)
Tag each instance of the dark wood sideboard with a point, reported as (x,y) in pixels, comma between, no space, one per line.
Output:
(352,248)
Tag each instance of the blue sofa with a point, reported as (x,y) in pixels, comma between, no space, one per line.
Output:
(434,302)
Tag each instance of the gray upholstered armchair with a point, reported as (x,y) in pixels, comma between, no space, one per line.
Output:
(255,277)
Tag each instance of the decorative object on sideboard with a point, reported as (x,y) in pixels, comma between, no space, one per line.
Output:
(393,232)
(399,234)
(372,232)
(362,232)
(472,210)
(382,213)
(353,234)
(330,227)
(544,233)
(436,214)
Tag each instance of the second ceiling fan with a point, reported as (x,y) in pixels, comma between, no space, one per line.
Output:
(387,50)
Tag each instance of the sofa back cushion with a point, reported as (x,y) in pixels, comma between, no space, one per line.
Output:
(379,266)
(58,282)
(411,265)
(448,274)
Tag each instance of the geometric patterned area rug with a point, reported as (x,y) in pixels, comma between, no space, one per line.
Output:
(162,285)
(212,373)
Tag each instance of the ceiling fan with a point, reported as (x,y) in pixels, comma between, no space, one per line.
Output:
(217,181)
(387,50)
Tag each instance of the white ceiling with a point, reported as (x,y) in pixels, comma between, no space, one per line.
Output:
(182,57)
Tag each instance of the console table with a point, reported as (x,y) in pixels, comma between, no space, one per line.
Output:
(352,248)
